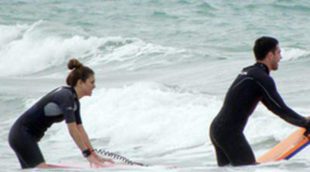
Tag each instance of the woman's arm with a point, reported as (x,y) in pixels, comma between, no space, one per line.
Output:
(78,138)
(77,135)
(88,144)
(84,136)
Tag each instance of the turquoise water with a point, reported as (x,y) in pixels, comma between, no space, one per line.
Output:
(162,70)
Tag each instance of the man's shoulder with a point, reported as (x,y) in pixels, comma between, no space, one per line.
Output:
(256,74)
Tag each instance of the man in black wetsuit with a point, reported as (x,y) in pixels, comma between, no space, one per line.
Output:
(252,85)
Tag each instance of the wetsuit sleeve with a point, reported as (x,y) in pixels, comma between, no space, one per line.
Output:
(65,101)
(273,101)
(78,114)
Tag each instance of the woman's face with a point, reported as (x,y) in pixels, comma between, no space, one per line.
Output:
(88,86)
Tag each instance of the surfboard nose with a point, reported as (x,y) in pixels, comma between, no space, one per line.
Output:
(288,147)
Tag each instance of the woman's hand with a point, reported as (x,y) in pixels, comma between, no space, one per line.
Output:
(94,161)
(106,160)
(103,160)
(97,161)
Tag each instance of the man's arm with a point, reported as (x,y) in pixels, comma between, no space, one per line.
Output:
(273,101)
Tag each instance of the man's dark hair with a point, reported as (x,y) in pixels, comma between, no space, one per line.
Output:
(263,45)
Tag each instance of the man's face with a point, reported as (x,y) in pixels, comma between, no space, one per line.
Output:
(276,58)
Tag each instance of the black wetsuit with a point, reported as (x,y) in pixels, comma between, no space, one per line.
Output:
(252,85)
(58,105)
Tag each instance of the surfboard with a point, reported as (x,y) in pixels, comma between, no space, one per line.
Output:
(85,165)
(108,165)
(287,148)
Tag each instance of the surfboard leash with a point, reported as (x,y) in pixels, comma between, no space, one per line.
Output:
(118,157)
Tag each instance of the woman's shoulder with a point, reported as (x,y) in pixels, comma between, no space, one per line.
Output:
(63,91)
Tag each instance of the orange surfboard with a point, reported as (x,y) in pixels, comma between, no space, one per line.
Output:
(287,148)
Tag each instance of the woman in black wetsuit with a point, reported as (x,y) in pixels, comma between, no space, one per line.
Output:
(252,85)
(60,104)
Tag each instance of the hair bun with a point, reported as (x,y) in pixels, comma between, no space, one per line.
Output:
(74,63)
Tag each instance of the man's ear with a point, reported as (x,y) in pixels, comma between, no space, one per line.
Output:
(269,55)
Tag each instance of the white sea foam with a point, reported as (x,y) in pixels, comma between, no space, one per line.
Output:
(136,54)
(29,49)
(35,51)
(149,116)
(293,53)
(9,33)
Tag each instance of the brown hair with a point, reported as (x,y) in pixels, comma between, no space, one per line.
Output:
(78,71)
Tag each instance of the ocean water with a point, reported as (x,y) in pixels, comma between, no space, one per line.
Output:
(162,71)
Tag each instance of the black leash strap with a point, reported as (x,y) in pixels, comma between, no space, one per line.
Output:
(117,157)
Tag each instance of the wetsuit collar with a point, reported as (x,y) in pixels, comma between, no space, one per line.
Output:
(74,92)
(262,66)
